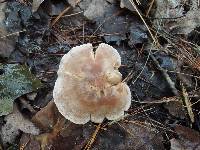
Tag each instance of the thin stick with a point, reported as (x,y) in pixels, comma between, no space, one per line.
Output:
(163,100)
(83,33)
(142,68)
(167,77)
(94,135)
(11,34)
(152,36)
(70,14)
(60,15)
(150,7)
(188,104)
(198,77)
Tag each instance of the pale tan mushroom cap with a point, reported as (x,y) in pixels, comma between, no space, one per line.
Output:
(89,85)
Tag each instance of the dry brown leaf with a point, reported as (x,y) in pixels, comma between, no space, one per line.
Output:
(47,117)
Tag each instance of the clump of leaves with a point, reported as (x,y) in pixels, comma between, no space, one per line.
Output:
(15,80)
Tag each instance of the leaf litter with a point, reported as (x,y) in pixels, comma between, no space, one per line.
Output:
(16,122)
(155,112)
(16,80)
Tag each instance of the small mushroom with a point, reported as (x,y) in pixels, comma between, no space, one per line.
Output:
(89,85)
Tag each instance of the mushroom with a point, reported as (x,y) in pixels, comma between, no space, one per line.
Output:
(89,85)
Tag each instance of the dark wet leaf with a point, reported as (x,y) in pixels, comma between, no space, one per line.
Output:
(176,108)
(29,143)
(15,80)
(113,23)
(138,34)
(17,15)
(187,139)
(60,133)
(129,136)
(116,26)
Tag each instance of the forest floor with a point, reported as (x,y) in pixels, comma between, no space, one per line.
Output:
(159,45)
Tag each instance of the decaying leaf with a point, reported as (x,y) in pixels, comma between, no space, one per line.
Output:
(2,13)
(95,9)
(129,136)
(126,4)
(177,20)
(16,122)
(7,44)
(36,5)
(66,135)
(187,139)
(176,107)
(58,132)
(47,117)
(15,80)
(27,142)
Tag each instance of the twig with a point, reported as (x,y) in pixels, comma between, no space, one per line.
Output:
(133,82)
(138,2)
(11,34)
(166,76)
(60,15)
(128,77)
(70,14)
(152,36)
(94,135)
(188,104)
(136,112)
(163,100)
(171,71)
(150,7)
(23,146)
(83,33)
(165,18)
(195,102)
